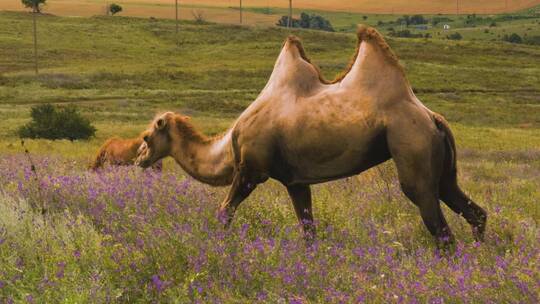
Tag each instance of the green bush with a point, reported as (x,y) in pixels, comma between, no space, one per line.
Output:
(533,40)
(454,36)
(50,122)
(513,38)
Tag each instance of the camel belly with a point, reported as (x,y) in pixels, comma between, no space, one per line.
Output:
(331,154)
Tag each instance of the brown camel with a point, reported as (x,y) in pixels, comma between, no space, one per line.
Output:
(303,130)
(120,152)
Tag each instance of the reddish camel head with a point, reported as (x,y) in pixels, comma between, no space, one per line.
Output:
(304,130)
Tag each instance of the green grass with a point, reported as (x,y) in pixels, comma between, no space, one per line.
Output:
(122,71)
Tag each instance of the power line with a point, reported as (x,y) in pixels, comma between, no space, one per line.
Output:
(176,7)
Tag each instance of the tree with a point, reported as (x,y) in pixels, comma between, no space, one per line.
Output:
(404,20)
(34,4)
(308,21)
(50,122)
(115,9)
(418,19)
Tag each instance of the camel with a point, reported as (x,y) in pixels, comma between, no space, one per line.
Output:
(120,152)
(303,130)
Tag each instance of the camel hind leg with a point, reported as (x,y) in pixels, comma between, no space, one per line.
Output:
(450,193)
(461,204)
(419,161)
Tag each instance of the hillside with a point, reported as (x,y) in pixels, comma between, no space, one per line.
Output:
(131,64)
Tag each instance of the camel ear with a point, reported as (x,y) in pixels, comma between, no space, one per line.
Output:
(161,123)
(187,118)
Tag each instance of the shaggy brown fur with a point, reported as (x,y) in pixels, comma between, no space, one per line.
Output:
(119,152)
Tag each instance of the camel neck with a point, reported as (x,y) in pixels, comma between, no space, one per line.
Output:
(208,160)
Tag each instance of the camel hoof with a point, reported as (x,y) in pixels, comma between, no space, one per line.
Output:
(478,233)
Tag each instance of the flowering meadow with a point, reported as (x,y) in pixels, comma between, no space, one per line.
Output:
(124,235)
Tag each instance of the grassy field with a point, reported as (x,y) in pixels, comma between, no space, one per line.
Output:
(522,18)
(122,235)
(136,7)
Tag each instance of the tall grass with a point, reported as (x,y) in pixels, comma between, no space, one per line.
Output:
(124,235)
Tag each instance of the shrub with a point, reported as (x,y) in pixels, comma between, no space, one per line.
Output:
(53,123)
(310,21)
(454,36)
(513,38)
(493,24)
(115,9)
(533,40)
(437,20)
(405,34)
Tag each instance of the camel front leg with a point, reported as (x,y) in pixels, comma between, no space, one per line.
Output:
(301,198)
(240,189)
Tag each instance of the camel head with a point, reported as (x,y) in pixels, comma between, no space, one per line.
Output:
(158,139)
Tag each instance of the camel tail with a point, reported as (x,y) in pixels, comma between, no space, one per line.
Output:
(450,160)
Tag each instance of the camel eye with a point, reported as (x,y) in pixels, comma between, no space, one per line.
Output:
(146,138)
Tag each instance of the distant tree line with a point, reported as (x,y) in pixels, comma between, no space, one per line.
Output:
(412,20)
(307,21)
(517,39)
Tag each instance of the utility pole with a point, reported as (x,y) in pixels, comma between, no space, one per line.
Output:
(176,8)
(457,7)
(290,14)
(240,11)
(35,9)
